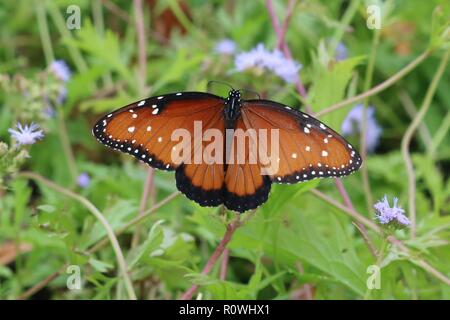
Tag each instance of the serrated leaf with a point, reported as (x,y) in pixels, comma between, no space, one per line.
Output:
(151,244)
(329,87)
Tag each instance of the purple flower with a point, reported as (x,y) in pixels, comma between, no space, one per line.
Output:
(26,134)
(274,61)
(83,180)
(387,215)
(252,59)
(61,95)
(63,73)
(61,70)
(353,123)
(341,52)
(225,47)
(49,111)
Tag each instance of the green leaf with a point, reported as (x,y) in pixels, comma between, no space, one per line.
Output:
(105,50)
(330,81)
(181,64)
(151,244)
(46,208)
(117,216)
(280,195)
(295,238)
(100,266)
(224,290)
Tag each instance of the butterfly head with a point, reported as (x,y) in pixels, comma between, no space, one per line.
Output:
(233,105)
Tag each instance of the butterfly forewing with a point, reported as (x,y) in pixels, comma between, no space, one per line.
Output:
(144,129)
(307,148)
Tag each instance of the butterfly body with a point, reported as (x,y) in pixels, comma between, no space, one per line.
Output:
(227,150)
(232,110)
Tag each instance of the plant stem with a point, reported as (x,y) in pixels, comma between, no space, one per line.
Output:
(339,32)
(101,243)
(97,14)
(75,54)
(363,138)
(142,76)
(43,32)
(378,88)
(411,110)
(224,264)
(352,213)
(144,200)
(420,262)
(380,256)
(439,136)
(230,229)
(359,226)
(408,137)
(280,32)
(41,284)
(283,29)
(109,231)
(49,57)
(115,9)
(142,56)
(68,153)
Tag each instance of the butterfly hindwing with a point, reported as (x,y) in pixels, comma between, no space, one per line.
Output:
(245,188)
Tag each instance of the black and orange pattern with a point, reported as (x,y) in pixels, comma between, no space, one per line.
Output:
(308,149)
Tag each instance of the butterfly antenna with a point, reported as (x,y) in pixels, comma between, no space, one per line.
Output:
(208,86)
(251,91)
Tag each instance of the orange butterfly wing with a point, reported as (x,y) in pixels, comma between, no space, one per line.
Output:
(245,188)
(144,128)
(308,149)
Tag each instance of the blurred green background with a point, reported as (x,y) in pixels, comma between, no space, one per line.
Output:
(304,242)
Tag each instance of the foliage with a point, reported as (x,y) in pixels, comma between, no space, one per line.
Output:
(295,243)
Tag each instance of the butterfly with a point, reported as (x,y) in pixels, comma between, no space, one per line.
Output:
(212,165)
